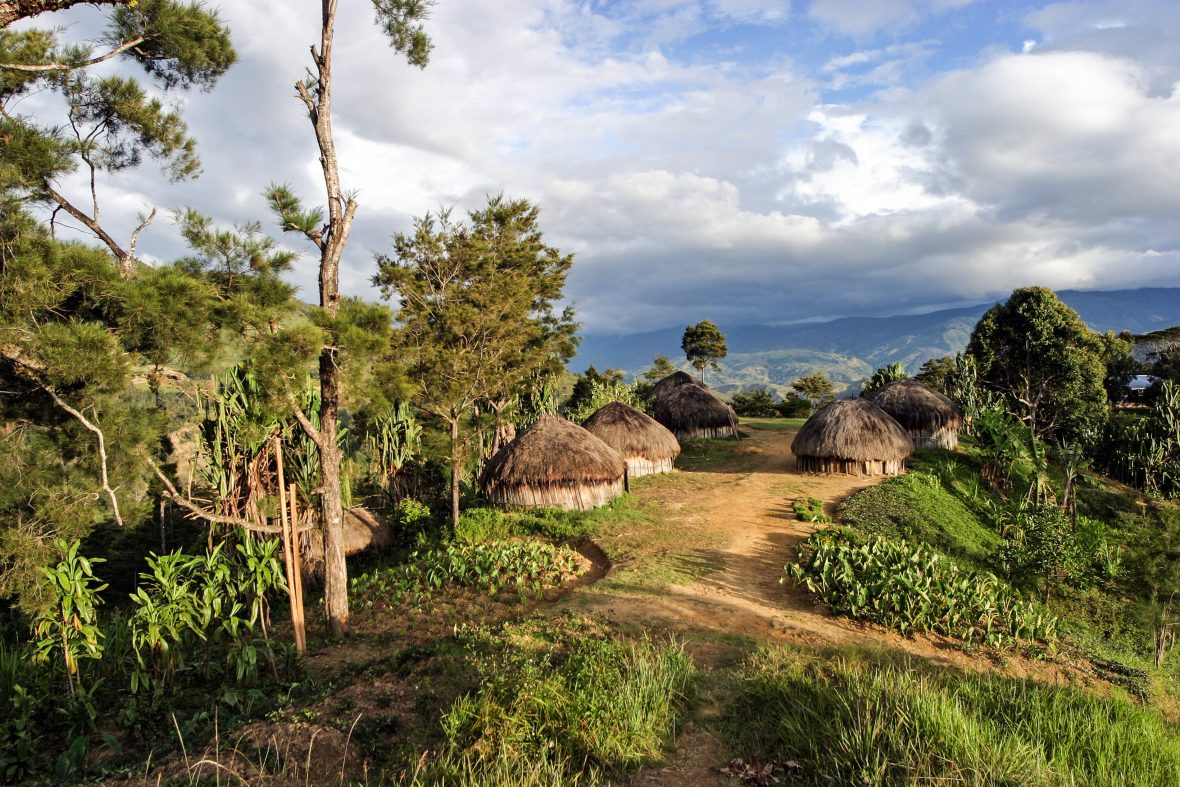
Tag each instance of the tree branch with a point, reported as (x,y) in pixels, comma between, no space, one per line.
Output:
(102,449)
(218,519)
(42,67)
(31,369)
(12,10)
(90,223)
(308,428)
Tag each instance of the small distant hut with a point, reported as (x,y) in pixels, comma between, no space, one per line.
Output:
(362,529)
(851,436)
(557,464)
(931,419)
(672,381)
(692,411)
(644,443)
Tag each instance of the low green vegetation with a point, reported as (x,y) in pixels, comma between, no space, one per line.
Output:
(909,588)
(851,717)
(940,502)
(524,567)
(193,642)
(810,509)
(561,702)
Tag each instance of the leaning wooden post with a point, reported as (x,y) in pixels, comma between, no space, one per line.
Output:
(298,561)
(289,549)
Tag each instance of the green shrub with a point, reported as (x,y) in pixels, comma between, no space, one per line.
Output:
(526,567)
(863,718)
(477,525)
(412,522)
(909,588)
(1042,544)
(581,705)
(811,509)
(755,403)
(793,406)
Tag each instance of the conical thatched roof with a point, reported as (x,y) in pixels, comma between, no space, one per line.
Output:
(362,529)
(674,380)
(694,411)
(553,451)
(916,406)
(853,429)
(632,433)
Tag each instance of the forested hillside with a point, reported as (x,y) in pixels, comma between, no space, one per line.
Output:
(848,349)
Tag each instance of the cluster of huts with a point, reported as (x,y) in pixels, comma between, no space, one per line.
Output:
(559,464)
(874,434)
(556,463)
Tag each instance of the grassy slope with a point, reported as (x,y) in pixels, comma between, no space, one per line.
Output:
(945,506)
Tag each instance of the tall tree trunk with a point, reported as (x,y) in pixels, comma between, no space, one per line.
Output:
(331,503)
(341,209)
(456,468)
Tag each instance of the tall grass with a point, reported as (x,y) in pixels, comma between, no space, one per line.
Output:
(874,719)
(584,708)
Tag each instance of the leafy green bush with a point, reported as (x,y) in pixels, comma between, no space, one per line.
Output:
(1042,544)
(755,403)
(909,588)
(523,566)
(206,609)
(583,704)
(793,406)
(871,718)
(811,509)
(477,525)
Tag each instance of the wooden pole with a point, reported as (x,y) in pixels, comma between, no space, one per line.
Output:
(298,563)
(289,550)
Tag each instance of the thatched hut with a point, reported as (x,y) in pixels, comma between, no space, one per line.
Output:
(554,463)
(851,436)
(362,529)
(931,419)
(645,445)
(672,381)
(692,411)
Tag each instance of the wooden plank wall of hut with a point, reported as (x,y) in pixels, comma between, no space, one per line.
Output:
(640,466)
(830,464)
(581,497)
(705,432)
(943,438)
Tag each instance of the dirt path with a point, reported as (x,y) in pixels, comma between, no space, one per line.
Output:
(745,512)
(748,512)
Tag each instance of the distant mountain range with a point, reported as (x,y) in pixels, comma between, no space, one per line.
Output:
(849,349)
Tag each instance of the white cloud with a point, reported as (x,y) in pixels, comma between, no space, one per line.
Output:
(689,181)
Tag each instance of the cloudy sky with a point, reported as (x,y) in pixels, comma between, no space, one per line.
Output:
(748,161)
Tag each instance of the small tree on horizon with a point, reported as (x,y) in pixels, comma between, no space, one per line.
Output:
(704,345)
(816,388)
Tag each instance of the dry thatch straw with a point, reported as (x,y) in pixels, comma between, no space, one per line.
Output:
(693,411)
(554,463)
(642,441)
(673,381)
(931,419)
(851,436)
(362,529)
